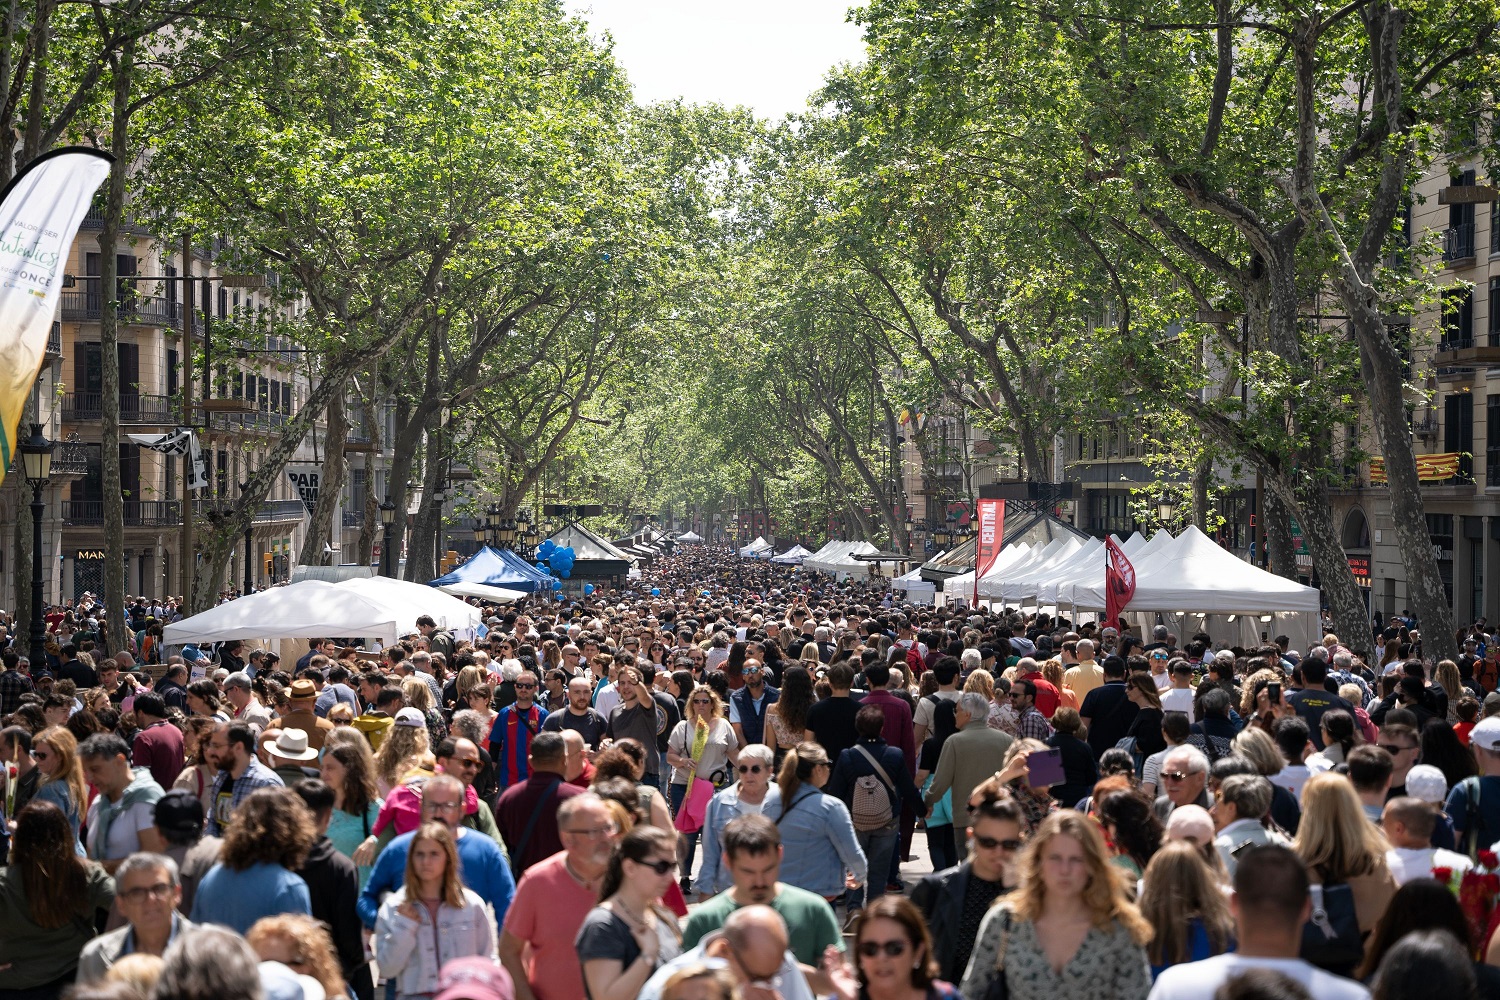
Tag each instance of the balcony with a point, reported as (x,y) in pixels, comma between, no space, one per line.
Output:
(54,341)
(250,423)
(270,512)
(137,310)
(354,518)
(138,513)
(94,221)
(1458,245)
(135,408)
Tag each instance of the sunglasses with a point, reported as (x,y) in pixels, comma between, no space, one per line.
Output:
(892,949)
(1392,748)
(660,866)
(990,843)
(1176,775)
(702,701)
(749,768)
(523,686)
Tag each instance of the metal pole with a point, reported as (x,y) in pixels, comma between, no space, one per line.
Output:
(385,550)
(38,624)
(249,572)
(185,544)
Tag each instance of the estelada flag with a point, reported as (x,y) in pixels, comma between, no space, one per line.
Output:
(1119,581)
(40,212)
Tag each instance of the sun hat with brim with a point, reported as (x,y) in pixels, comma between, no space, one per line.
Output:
(303,690)
(291,744)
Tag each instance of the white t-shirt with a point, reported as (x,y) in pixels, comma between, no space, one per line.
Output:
(925,707)
(1199,980)
(1407,863)
(124,832)
(1178,700)
(1292,778)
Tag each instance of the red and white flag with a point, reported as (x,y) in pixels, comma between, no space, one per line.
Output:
(1119,581)
(991,535)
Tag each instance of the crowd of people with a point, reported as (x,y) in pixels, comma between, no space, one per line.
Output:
(708,785)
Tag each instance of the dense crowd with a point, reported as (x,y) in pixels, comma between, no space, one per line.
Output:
(708,786)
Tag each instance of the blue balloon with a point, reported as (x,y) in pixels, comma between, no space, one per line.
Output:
(588,588)
(546,549)
(541,566)
(557,585)
(566,574)
(655,591)
(706,593)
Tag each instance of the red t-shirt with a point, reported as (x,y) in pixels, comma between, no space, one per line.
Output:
(1047,696)
(1463,729)
(548,908)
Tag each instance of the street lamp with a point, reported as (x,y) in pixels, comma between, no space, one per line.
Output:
(1166,511)
(387,521)
(36,458)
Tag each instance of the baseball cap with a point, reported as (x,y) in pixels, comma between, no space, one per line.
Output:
(1486,735)
(1191,822)
(1491,703)
(474,979)
(179,811)
(410,717)
(1427,783)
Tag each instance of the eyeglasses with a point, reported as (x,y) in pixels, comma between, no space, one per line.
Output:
(990,843)
(661,865)
(749,769)
(160,890)
(1177,775)
(893,949)
(1393,749)
(702,701)
(39,755)
(466,763)
(435,806)
(594,831)
(571,656)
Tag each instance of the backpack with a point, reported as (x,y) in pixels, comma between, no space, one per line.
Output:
(915,665)
(871,807)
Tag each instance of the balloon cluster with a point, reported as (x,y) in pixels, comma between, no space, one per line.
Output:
(560,559)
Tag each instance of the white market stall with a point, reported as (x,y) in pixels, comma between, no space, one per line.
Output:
(1022,580)
(413,600)
(303,610)
(758,549)
(690,538)
(837,559)
(500,595)
(918,590)
(792,556)
(961,585)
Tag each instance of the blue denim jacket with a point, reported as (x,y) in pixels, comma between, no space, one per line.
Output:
(724,806)
(818,844)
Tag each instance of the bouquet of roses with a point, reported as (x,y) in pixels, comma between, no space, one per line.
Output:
(1478,890)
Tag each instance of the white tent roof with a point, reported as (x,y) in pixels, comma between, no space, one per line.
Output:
(690,536)
(1087,589)
(918,590)
(757,548)
(1016,582)
(412,600)
(1197,574)
(1027,583)
(838,557)
(1058,579)
(792,556)
(963,583)
(297,611)
(484,590)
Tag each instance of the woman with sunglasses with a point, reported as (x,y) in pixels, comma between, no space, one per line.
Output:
(55,751)
(893,957)
(701,748)
(953,901)
(752,793)
(628,936)
(1069,929)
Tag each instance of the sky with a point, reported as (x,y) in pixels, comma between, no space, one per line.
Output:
(768,55)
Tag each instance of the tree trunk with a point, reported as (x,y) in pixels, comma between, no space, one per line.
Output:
(320,529)
(1280,552)
(421,560)
(369,515)
(1340,592)
(1202,472)
(109,351)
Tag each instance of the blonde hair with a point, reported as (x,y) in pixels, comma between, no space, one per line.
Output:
(1247,699)
(1334,837)
(138,970)
(1177,886)
(307,937)
(715,710)
(809,654)
(1104,894)
(69,768)
(341,713)
(402,743)
(1446,674)
(1256,746)
(983,682)
(452,888)
(1052,673)
(467,678)
(418,694)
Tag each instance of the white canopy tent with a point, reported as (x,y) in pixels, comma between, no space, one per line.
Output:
(838,558)
(918,590)
(297,611)
(690,537)
(962,584)
(792,556)
(1019,581)
(501,595)
(414,600)
(758,549)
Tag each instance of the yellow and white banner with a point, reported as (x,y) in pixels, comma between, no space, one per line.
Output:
(40,212)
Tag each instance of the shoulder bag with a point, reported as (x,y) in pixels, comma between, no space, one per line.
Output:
(999,988)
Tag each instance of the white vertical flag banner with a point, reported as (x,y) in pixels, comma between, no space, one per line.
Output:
(40,212)
(307,479)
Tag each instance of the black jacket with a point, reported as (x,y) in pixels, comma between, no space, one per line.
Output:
(333,883)
(940,897)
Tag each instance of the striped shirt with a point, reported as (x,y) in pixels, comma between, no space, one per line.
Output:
(510,742)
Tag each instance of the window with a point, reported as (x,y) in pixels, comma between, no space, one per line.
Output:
(1458,432)
(1492,441)
(1458,319)
(1458,242)
(1494,323)
(1495,227)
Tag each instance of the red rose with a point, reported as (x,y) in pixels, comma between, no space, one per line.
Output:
(1489,859)
(1443,875)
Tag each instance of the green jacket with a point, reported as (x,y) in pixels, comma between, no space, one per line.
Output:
(37,955)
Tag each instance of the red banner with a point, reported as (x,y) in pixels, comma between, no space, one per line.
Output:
(1119,581)
(991,535)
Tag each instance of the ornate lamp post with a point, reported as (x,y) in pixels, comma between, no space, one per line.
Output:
(387,521)
(36,457)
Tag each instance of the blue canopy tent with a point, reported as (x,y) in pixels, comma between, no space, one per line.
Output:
(498,568)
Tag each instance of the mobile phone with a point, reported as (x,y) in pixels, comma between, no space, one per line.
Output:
(1044,768)
(1273,691)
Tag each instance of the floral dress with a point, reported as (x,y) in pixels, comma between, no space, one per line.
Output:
(1108,964)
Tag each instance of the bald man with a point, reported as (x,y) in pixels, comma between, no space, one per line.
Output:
(752,945)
